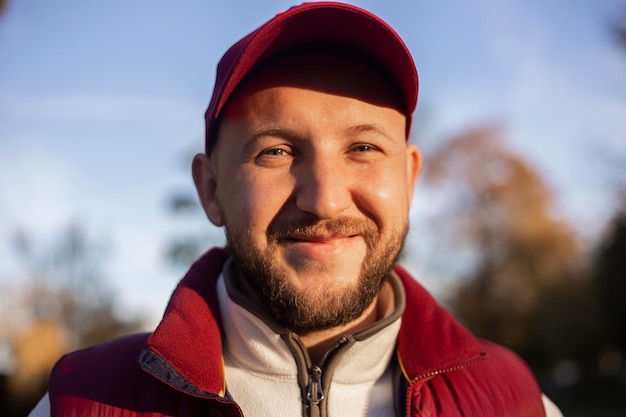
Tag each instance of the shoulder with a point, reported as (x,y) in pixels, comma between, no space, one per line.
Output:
(500,359)
(108,366)
(102,359)
(499,382)
(504,372)
(106,377)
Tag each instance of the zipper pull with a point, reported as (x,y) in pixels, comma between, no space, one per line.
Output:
(315,391)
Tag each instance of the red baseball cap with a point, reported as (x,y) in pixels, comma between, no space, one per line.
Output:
(318,22)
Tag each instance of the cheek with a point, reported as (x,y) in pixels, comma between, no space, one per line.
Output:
(384,193)
(252,200)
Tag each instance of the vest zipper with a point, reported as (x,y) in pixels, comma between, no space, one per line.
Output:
(315,392)
(453,368)
(431,374)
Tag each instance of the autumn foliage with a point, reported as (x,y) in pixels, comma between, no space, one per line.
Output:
(530,284)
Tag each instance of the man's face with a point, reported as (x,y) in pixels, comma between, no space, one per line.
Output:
(312,179)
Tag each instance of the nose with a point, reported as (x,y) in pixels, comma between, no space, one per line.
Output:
(323,188)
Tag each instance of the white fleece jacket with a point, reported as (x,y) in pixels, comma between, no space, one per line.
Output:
(260,366)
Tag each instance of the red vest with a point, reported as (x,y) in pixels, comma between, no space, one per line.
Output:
(178,371)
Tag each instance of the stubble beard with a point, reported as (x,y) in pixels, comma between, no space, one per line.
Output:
(322,308)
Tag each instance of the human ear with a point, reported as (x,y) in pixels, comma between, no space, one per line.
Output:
(205,178)
(413,166)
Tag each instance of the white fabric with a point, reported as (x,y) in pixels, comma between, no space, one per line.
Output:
(261,372)
(42,409)
(551,409)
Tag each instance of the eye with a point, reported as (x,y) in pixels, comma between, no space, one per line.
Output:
(363,148)
(274,156)
(275,152)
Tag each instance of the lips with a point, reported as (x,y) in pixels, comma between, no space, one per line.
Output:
(321,247)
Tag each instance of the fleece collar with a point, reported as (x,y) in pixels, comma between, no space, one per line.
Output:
(188,340)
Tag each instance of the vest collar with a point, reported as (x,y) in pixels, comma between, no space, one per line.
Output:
(188,339)
(188,343)
(431,340)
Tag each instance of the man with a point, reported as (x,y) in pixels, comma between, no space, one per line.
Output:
(307,167)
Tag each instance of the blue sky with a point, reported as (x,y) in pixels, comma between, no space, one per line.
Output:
(101,102)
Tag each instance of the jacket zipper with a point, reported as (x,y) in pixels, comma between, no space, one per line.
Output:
(315,392)
(312,379)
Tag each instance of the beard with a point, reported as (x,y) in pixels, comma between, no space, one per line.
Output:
(323,307)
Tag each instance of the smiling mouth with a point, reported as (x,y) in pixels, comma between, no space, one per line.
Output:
(321,248)
(313,235)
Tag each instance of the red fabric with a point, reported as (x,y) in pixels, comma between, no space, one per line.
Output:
(499,385)
(193,310)
(451,372)
(104,380)
(449,344)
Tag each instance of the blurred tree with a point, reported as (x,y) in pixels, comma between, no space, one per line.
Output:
(187,247)
(498,209)
(528,282)
(609,273)
(585,323)
(610,284)
(63,305)
(194,234)
(610,266)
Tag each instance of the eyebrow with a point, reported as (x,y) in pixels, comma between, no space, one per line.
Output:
(370,127)
(278,132)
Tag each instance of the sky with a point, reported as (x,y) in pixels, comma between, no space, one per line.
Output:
(101,104)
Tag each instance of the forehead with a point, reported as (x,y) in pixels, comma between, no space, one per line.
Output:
(330,70)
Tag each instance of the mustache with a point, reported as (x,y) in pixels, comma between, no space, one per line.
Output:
(306,228)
